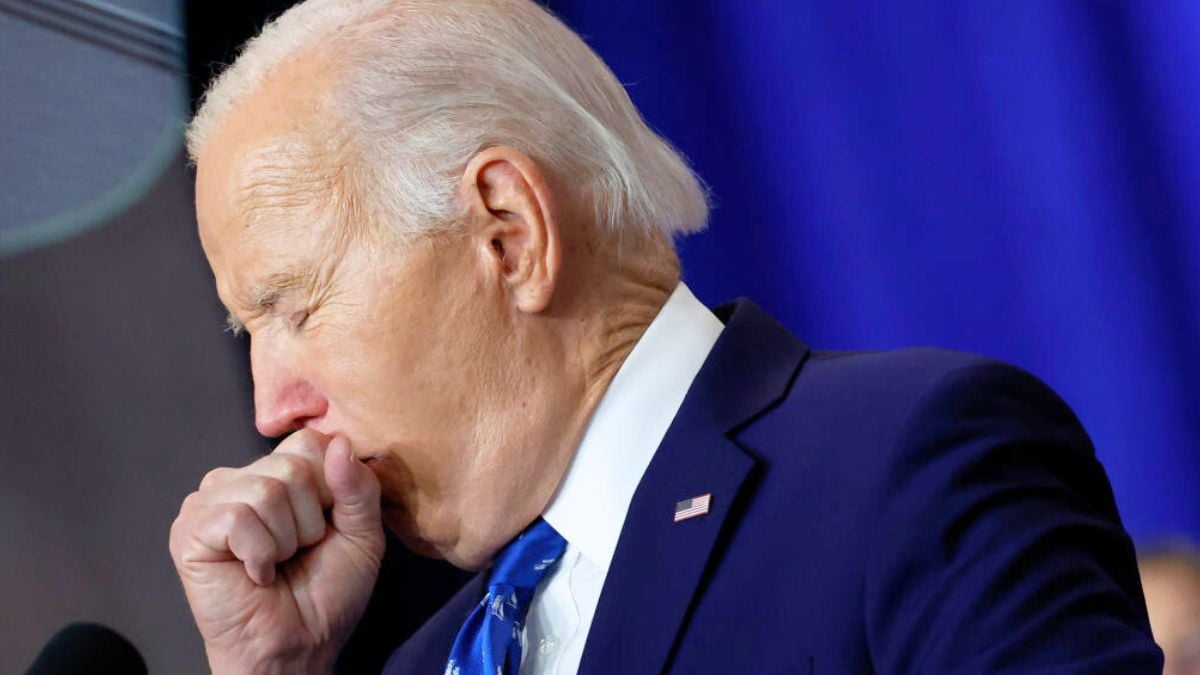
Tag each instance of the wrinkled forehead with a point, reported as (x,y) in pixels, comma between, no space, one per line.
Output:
(263,211)
(282,181)
(271,154)
(269,187)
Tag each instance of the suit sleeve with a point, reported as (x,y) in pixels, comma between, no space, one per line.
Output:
(996,545)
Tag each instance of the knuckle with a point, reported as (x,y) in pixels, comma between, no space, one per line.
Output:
(308,441)
(269,493)
(184,522)
(174,540)
(293,469)
(238,515)
(190,503)
(214,477)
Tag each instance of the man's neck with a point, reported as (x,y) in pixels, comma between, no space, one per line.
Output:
(583,341)
(625,429)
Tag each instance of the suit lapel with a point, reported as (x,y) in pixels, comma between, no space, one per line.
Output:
(427,650)
(658,562)
(658,565)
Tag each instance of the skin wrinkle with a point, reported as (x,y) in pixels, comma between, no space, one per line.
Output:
(264,297)
(445,227)
(463,373)
(277,174)
(285,180)
(276,289)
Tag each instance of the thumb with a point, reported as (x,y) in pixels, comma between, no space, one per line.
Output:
(355,490)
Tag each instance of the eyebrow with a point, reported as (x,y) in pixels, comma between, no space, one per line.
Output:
(267,292)
(264,295)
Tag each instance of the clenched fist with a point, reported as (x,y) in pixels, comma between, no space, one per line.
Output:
(278,558)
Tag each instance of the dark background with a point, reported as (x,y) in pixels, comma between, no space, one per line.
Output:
(1012,178)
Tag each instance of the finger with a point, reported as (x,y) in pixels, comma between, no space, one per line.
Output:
(194,537)
(356,509)
(268,498)
(209,533)
(250,541)
(310,446)
(216,477)
(303,482)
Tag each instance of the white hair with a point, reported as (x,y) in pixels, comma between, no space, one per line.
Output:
(424,85)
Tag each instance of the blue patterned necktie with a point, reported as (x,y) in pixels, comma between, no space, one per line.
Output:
(489,643)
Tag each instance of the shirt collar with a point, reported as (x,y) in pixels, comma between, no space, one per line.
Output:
(589,508)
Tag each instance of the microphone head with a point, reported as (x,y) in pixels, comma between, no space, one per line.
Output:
(87,649)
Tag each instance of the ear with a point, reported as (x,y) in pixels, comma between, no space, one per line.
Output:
(515,227)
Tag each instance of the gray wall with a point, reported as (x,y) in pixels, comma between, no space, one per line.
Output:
(118,389)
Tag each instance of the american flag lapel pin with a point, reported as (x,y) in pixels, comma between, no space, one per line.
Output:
(691,508)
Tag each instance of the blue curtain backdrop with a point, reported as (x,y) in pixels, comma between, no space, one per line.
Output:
(1019,179)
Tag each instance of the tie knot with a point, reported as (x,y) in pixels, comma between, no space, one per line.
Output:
(524,562)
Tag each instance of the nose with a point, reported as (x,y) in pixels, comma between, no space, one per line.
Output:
(284,400)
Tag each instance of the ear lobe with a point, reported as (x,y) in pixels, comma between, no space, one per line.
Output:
(513,206)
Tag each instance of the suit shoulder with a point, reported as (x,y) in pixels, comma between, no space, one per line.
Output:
(914,375)
(884,380)
(914,365)
(865,403)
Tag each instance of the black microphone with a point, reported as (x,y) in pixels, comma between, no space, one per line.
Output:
(88,649)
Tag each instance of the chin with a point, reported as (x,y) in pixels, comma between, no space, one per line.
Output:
(398,521)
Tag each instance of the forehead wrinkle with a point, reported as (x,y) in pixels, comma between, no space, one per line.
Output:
(279,181)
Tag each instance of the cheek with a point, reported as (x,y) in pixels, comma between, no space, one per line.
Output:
(386,389)
(410,370)
(364,385)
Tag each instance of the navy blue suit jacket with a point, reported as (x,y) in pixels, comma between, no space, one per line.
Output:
(916,511)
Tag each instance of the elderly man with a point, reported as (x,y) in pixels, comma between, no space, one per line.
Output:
(449,235)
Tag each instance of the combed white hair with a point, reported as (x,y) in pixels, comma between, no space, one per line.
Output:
(424,85)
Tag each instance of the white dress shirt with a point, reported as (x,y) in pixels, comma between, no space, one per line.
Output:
(590,506)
